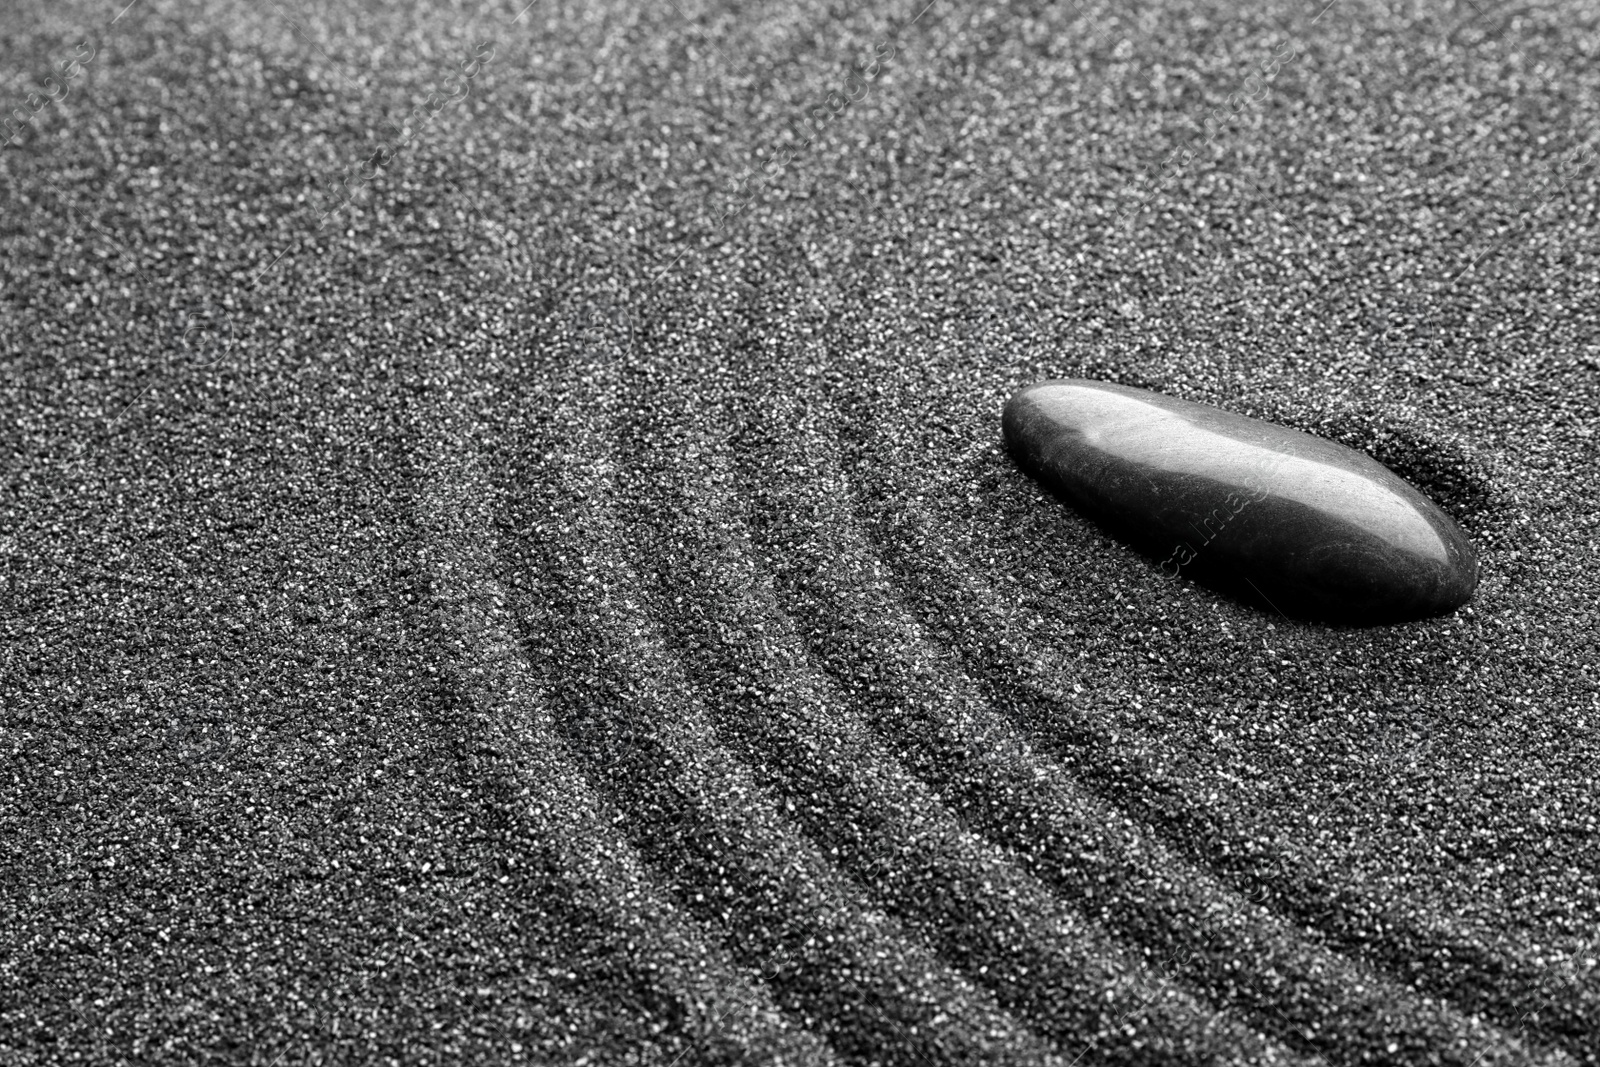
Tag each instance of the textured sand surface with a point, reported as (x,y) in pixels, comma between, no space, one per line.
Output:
(571,605)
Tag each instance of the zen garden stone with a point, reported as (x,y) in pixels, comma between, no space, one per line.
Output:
(1312,528)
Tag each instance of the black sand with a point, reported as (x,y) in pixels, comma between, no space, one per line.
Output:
(552,613)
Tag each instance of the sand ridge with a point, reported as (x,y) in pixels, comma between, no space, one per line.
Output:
(574,607)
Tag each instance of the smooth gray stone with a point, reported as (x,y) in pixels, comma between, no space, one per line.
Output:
(1312,528)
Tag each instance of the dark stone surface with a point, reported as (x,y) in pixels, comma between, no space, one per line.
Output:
(1270,514)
